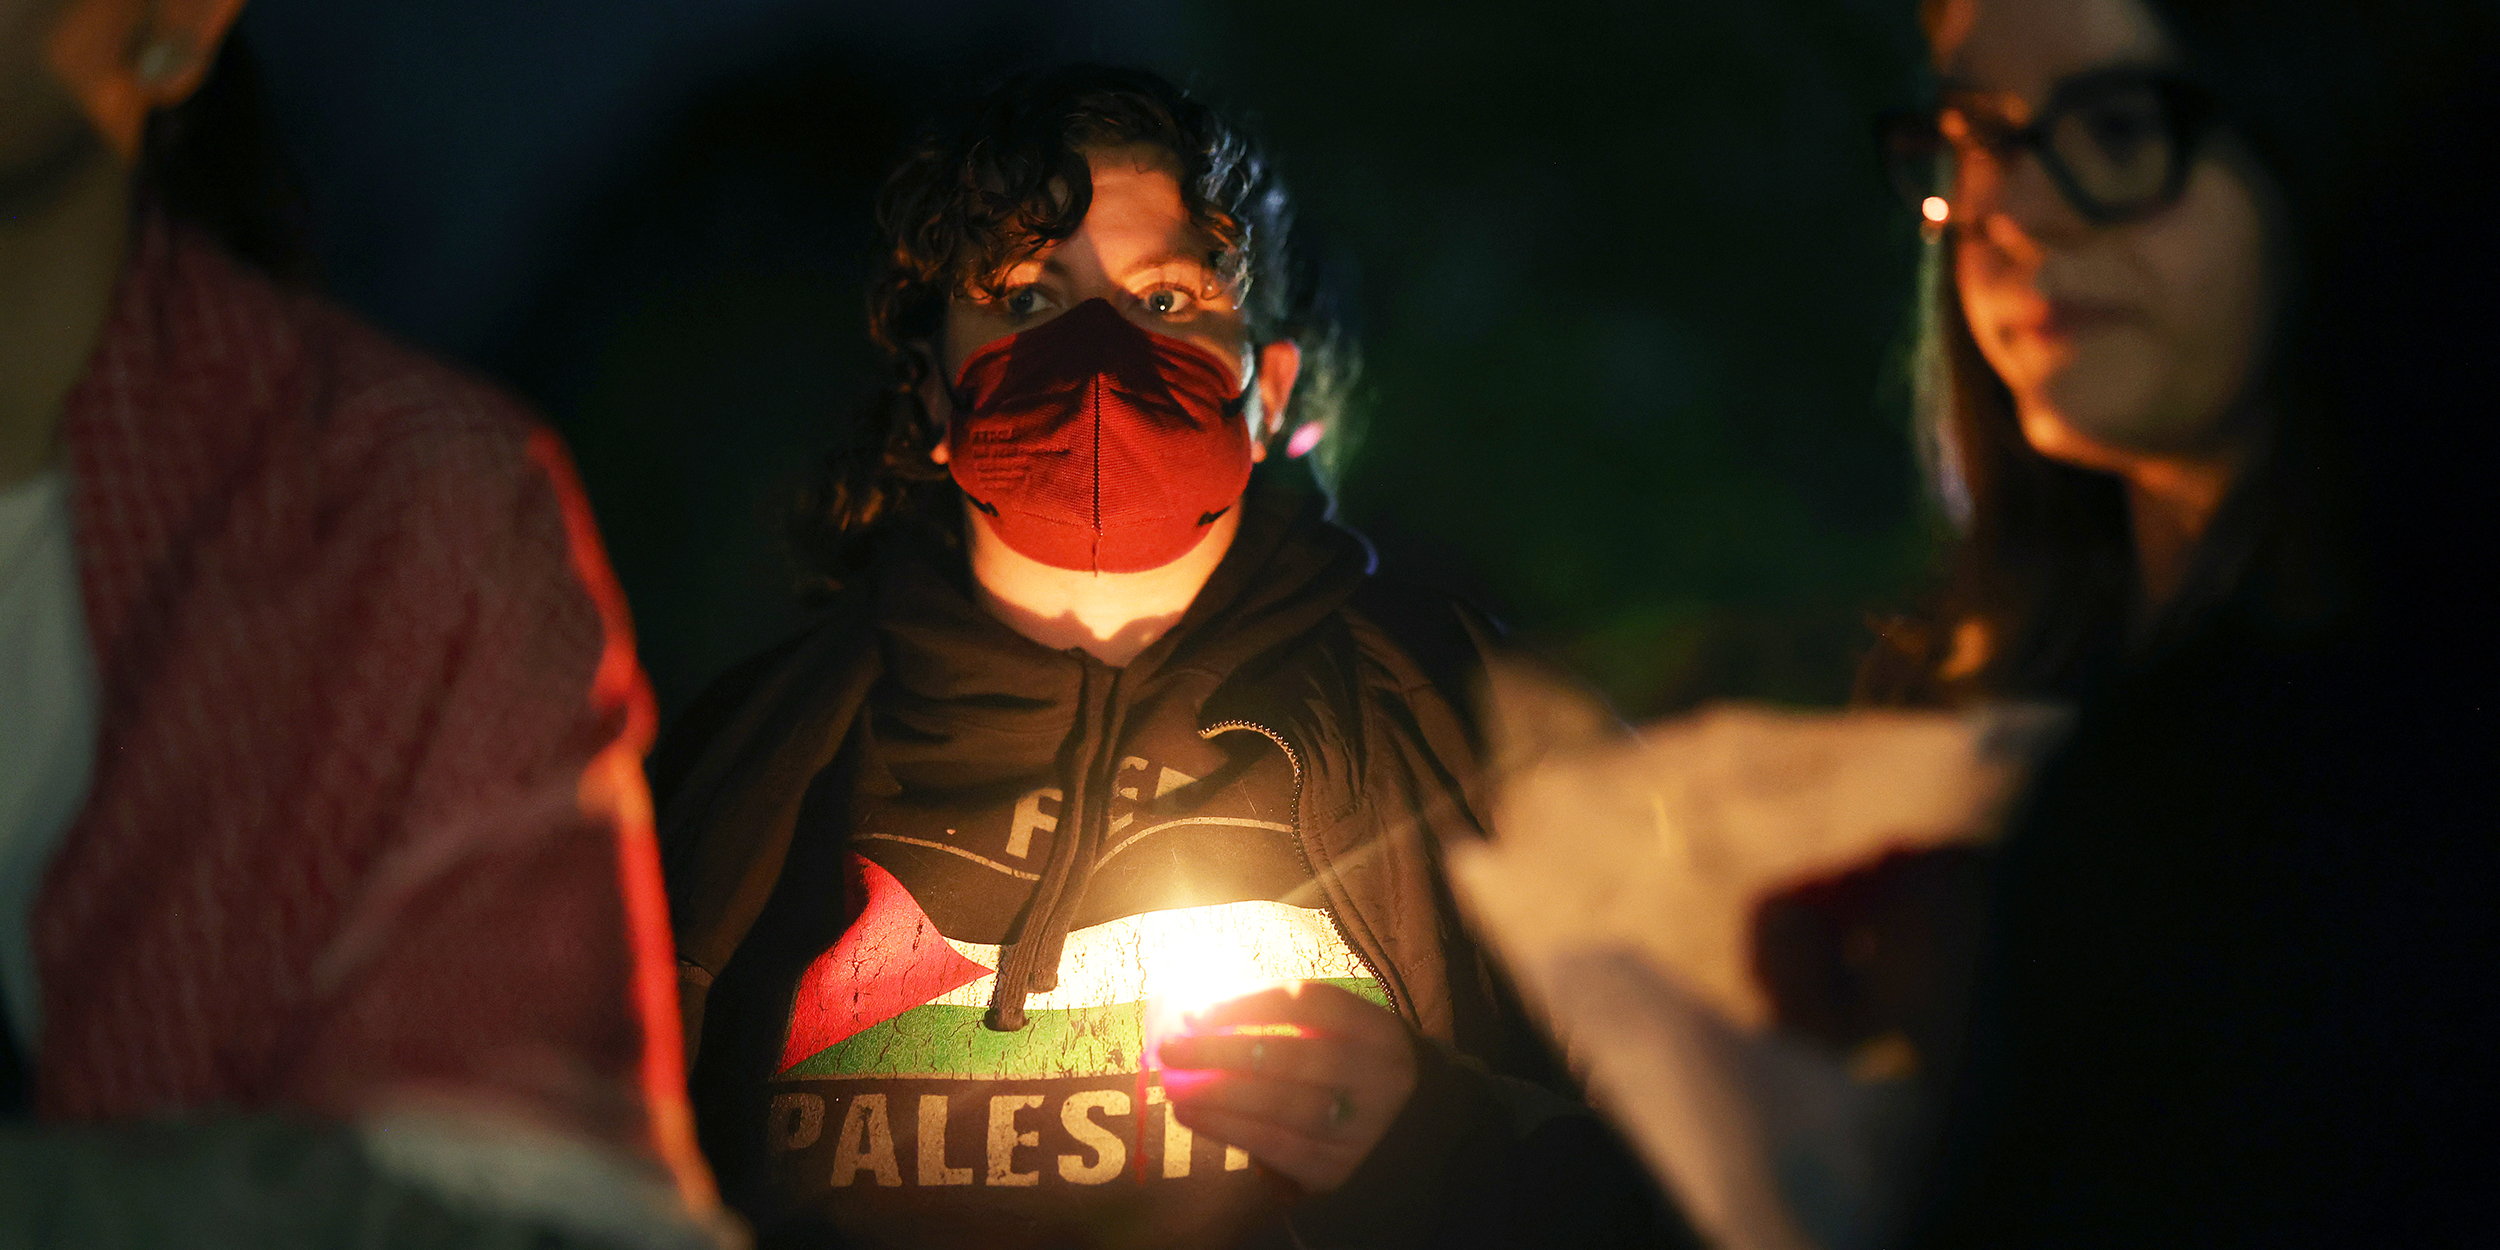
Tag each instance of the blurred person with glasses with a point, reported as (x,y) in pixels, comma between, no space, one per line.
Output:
(2206,284)
(2202,384)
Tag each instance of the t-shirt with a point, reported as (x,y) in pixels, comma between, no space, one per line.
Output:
(48,704)
(891,1111)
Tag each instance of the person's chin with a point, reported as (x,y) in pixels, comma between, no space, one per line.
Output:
(38,172)
(2075,425)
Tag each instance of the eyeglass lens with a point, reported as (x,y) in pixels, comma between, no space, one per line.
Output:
(2115,149)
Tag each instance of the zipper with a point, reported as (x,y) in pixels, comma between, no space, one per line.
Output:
(1336,919)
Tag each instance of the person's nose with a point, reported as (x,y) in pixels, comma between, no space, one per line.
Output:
(1217,339)
(1088,277)
(1084,286)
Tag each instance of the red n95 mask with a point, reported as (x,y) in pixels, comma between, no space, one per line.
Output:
(1094,444)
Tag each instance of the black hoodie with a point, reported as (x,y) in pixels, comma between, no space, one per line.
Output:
(1292,752)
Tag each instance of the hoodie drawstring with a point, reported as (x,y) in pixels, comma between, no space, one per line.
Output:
(1030,964)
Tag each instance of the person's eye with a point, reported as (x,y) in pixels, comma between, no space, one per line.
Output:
(2121,131)
(1169,301)
(1027,301)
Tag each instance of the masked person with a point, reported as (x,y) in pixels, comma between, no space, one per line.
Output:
(1105,719)
(329,910)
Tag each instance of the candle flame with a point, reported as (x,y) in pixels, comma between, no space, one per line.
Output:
(1186,976)
(1200,971)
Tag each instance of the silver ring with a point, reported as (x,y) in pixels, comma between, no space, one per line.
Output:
(1340,1110)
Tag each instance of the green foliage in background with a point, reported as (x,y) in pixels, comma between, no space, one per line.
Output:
(1634,302)
(1633,297)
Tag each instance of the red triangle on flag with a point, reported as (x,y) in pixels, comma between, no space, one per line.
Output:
(891,960)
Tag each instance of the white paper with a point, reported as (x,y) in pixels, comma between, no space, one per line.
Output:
(1620,888)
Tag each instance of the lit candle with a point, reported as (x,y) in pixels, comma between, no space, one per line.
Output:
(1185,976)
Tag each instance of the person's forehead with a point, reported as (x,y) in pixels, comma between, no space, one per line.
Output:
(1136,210)
(2024,48)
(1133,160)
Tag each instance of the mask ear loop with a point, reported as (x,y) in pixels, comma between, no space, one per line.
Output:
(1236,407)
(1247,402)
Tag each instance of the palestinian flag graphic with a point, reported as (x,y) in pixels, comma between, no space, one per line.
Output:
(897,1000)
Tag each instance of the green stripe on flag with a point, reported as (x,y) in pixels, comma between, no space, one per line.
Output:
(938,1042)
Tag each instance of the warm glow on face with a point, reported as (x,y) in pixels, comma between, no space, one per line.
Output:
(1934,209)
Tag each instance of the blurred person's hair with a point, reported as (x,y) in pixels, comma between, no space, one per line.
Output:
(216,162)
(985,187)
(2328,97)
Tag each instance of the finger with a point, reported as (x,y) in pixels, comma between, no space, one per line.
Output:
(1316,1111)
(1325,1008)
(1317,1060)
(1318,1166)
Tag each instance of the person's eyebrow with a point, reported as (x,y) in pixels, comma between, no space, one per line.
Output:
(1964,95)
(1965,89)
(1171,258)
(2149,63)
(1051,263)
(1051,266)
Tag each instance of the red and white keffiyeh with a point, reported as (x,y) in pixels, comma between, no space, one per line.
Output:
(367,822)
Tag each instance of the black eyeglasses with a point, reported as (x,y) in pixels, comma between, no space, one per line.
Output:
(2118,144)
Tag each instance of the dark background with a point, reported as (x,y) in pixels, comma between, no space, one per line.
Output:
(1634,300)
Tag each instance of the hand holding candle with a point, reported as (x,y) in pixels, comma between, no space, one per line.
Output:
(1305,1077)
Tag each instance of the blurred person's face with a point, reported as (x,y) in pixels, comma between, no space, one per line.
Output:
(2119,340)
(1138,250)
(41,125)
(77,76)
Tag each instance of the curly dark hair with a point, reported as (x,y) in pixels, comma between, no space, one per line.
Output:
(984,188)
